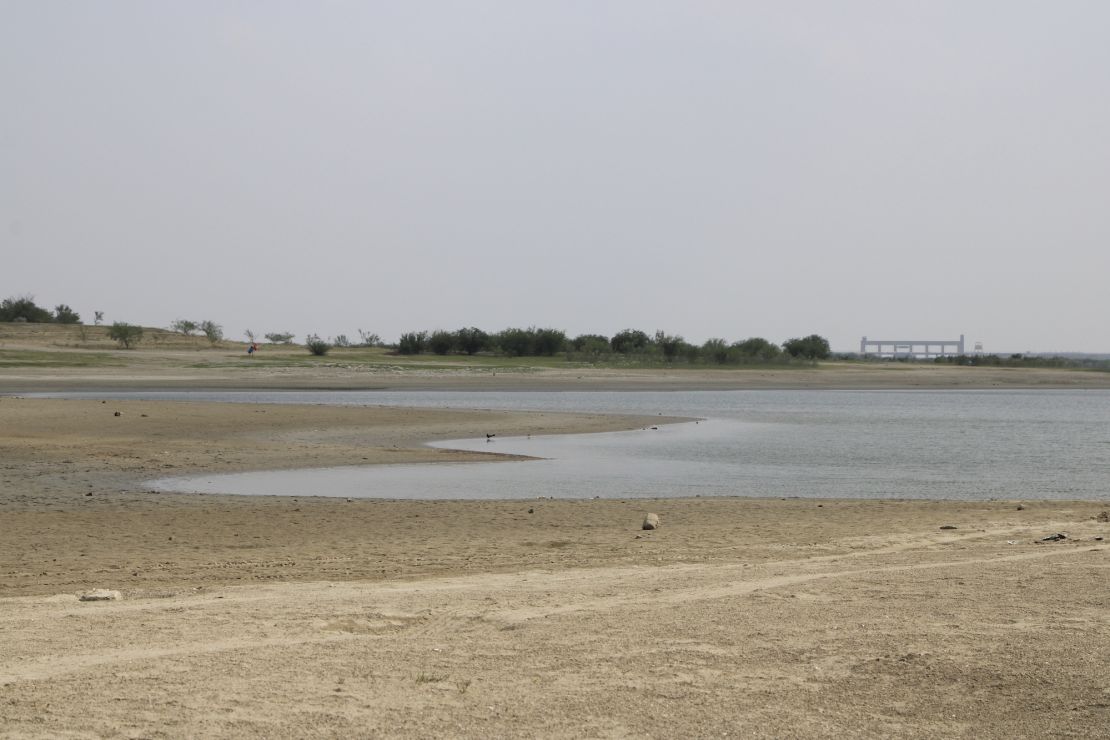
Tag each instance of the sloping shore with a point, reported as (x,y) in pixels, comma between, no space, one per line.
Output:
(221,370)
(317,617)
(309,616)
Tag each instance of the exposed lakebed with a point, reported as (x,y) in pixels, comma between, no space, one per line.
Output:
(813,443)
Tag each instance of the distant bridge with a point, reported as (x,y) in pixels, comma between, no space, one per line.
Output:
(918,349)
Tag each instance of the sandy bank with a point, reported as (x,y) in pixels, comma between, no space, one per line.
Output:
(55,449)
(295,617)
(278,618)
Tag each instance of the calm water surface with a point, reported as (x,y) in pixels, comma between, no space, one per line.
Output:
(854,444)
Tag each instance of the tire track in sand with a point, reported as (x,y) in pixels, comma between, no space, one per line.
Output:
(436,607)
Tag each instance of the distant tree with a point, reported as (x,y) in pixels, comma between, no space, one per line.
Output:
(580,342)
(591,344)
(184,326)
(316,345)
(471,340)
(757,348)
(548,342)
(281,337)
(23,308)
(250,336)
(813,347)
(689,352)
(715,350)
(63,314)
(341,340)
(516,342)
(671,345)
(212,330)
(412,343)
(441,342)
(629,340)
(98,316)
(126,334)
(368,339)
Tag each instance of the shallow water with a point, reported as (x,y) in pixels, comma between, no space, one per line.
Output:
(854,444)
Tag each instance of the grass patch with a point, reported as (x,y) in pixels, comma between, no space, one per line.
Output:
(35,358)
(379,359)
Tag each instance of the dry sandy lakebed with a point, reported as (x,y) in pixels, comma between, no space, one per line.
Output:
(318,617)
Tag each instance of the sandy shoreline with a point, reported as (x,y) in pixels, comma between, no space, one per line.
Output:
(56,449)
(283,617)
(264,618)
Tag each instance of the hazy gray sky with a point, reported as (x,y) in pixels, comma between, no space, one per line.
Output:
(896,169)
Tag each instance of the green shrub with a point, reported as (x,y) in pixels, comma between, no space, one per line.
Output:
(316,345)
(548,342)
(126,334)
(515,342)
(184,326)
(24,309)
(442,342)
(756,348)
(471,340)
(715,350)
(671,345)
(629,340)
(813,347)
(63,314)
(412,343)
(212,330)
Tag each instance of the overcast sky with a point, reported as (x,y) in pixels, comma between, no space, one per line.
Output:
(729,169)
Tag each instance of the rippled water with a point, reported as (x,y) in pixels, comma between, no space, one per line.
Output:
(859,444)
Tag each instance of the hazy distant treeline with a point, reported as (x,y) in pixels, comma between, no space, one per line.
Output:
(629,343)
(1020,360)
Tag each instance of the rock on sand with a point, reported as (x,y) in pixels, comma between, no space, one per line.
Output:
(99,594)
(651,521)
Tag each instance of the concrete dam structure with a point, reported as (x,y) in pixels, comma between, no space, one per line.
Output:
(917,349)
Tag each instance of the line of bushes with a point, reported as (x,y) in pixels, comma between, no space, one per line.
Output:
(632,344)
(24,308)
(1020,360)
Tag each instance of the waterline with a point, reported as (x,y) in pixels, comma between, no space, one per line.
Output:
(970,445)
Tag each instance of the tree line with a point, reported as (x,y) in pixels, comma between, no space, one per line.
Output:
(24,308)
(628,343)
(633,344)
(1022,360)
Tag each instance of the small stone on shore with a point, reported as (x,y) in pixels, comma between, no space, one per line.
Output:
(99,594)
(651,521)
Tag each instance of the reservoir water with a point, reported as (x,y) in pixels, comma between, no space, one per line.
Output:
(1011,444)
